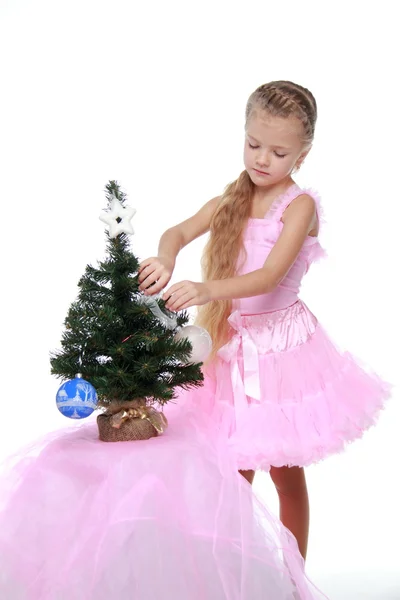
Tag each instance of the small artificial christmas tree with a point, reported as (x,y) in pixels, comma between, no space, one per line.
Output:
(116,342)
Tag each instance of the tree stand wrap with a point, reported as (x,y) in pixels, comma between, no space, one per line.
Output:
(129,421)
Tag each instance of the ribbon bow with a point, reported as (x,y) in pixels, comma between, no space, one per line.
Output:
(249,385)
(157,419)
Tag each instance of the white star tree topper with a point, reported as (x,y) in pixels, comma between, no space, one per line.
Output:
(117,211)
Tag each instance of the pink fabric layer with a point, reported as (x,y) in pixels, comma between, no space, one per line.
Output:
(284,394)
(166,518)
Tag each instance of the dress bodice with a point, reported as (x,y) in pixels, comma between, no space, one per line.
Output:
(260,236)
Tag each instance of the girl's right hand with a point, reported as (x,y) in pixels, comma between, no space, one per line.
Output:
(154,274)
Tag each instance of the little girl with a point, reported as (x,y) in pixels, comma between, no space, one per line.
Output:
(276,385)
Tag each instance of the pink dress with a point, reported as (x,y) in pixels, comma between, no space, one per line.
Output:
(169,518)
(280,390)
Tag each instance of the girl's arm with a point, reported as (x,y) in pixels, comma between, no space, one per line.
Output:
(155,272)
(299,220)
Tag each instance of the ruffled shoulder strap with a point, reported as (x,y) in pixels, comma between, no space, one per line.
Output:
(317,199)
(316,251)
(283,201)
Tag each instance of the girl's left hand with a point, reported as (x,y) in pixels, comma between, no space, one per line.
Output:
(185,294)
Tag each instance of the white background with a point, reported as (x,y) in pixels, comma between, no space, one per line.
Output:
(153,94)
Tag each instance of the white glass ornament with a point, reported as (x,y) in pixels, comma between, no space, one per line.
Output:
(200,340)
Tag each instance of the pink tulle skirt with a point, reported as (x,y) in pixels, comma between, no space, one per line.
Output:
(168,518)
(284,394)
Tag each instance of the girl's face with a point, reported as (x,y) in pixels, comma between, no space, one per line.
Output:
(273,147)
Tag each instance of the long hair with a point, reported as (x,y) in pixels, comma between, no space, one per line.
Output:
(224,250)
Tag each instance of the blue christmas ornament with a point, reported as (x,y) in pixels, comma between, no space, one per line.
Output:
(77,398)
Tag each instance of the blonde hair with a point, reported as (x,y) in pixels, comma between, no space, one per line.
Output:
(224,249)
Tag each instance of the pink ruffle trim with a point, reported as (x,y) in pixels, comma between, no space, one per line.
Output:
(314,398)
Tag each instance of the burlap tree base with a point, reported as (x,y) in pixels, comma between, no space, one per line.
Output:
(130,421)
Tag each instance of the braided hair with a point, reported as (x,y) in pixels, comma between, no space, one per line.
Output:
(285,99)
